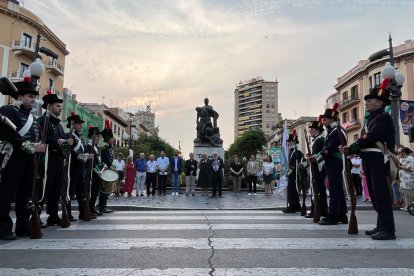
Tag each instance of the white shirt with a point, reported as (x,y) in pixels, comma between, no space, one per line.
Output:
(163,164)
(119,165)
(356,161)
(268,167)
(151,166)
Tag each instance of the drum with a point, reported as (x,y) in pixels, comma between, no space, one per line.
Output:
(109,181)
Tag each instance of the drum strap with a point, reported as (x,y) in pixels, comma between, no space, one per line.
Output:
(26,126)
(79,145)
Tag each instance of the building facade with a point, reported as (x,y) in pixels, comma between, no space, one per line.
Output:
(147,119)
(299,125)
(355,84)
(255,106)
(18,36)
(117,123)
(70,104)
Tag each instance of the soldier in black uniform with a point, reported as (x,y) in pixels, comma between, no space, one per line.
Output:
(79,156)
(58,145)
(318,177)
(295,156)
(378,132)
(333,166)
(107,157)
(93,148)
(18,174)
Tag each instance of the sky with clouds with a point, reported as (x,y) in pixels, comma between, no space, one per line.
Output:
(173,53)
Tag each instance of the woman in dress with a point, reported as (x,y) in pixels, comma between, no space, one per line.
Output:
(406,177)
(129,176)
(268,168)
(204,174)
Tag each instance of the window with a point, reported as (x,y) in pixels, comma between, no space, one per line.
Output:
(344,117)
(370,82)
(377,79)
(267,105)
(354,92)
(22,68)
(354,113)
(26,40)
(345,95)
(50,84)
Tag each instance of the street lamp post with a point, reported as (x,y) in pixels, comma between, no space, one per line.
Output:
(129,138)
(396,81)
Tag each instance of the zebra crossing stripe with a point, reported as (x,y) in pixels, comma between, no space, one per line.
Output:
(217,243)
(205,271)
(164,226)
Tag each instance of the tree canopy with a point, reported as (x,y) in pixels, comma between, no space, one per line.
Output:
(150,145)
(249,143)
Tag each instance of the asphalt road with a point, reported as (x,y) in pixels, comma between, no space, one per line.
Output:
(215,242)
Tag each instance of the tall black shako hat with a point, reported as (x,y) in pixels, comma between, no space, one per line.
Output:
(107,131)
(74,118)
(50,98)
(380,92)
(293,137)
(317,124)
(25,87)
(93,130)
(331,113)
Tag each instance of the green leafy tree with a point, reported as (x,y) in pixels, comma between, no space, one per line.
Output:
(150,145)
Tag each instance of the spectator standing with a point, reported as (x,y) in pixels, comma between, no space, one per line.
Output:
(217,165)
(236,170)
(204,175)
(355,171)
(129,176)
(141,174)
(190,169)
(163,163)
(176,166)
(119,165)
(268,168)
(151,176)
(406,177)
(252,168)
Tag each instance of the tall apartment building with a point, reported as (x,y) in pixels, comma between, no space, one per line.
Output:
(355,84)
(18,37)
(255,106)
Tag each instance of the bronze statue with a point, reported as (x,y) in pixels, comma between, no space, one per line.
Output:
(208,134)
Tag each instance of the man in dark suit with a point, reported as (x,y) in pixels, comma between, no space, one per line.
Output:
(17,174)
(295,157)
(176,166)
(333,166)
(318,174)
(58,147)
(379,131)
(217,166)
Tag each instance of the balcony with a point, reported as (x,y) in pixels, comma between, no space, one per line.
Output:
(55,68)
(16,76)
(20,47)
(351,125)
(348,102)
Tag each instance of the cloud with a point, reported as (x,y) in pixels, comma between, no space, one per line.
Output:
(172,54)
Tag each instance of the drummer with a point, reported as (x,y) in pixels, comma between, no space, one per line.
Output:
(107,157)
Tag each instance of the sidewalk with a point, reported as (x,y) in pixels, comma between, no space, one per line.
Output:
(198,202)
